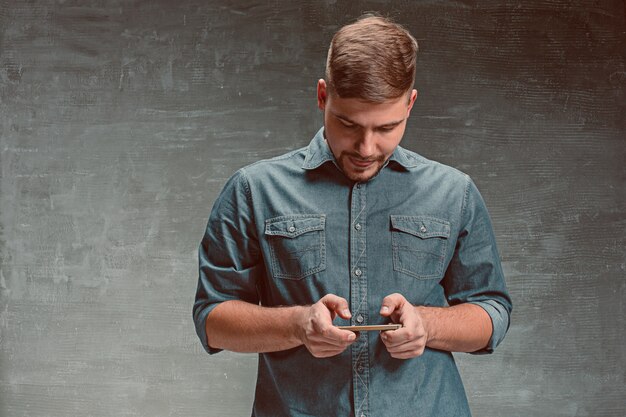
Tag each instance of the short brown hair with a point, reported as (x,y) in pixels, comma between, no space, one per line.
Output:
(372,59)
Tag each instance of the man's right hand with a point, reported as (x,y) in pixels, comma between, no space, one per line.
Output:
(316,329)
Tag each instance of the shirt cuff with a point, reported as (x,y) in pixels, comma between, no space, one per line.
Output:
(200,321)
(500,323)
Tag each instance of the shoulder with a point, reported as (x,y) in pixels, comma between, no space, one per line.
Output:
(239,188)
(291,160)
(435,171)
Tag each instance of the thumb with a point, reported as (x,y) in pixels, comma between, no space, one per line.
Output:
(338,305)
(391,303)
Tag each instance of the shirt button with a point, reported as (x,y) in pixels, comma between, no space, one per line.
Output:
(423,229)
(357,272)
(359,318)
(357,226)
(359,368)
(292,229)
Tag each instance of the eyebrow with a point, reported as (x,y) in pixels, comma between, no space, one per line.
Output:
(347,119)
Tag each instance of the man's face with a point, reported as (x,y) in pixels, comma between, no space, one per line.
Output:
(363,135)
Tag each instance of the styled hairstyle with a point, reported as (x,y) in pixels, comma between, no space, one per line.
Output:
(372,59)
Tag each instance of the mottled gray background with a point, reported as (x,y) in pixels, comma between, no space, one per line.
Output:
(121,120)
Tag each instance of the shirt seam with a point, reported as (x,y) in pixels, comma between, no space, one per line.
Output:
(465,197)
(246,186)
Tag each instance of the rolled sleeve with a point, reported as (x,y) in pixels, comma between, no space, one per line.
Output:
(474,274)
(500,323)
(228,256)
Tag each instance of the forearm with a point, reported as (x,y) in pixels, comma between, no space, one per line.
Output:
(243,327)
(461,328)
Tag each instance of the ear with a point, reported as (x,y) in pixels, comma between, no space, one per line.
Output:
(412,98)
(321,94)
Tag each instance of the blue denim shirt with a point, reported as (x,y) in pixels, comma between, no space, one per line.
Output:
(289,230)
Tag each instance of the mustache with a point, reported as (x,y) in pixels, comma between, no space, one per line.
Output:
(359,158)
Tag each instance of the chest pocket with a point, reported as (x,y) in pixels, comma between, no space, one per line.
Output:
(419,245)
(297,245)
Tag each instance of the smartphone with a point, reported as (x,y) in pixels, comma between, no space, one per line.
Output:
(371,327)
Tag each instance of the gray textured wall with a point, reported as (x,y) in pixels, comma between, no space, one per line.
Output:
(121,120)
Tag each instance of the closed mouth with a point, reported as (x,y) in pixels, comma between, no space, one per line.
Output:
(362,163)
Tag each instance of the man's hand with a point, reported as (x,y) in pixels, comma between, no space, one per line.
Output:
(317,331)
(409,341)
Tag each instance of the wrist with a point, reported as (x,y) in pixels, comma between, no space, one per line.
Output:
(427,318)
(298,315)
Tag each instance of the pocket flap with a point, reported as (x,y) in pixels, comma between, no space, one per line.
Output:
(295,225)
(421,226)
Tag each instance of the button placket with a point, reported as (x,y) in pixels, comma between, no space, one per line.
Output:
(358,297)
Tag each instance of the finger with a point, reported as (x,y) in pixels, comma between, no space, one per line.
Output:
(407,354)
(325,331)
(336,337)
(409,349)
(401,336)
(390,341)
(319,343)
(391,303)
(337,304)
(326,353)
(410,345)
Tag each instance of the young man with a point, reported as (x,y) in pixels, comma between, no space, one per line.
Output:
(354,229)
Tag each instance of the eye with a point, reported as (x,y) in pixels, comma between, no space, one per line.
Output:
(386,129)
(347,124)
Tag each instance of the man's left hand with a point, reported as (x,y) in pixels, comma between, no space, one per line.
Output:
(409,341)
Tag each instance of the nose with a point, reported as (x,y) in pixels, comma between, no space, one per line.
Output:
(366,146)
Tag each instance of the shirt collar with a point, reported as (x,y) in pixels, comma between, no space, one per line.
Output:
(318,152)
(404,158)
